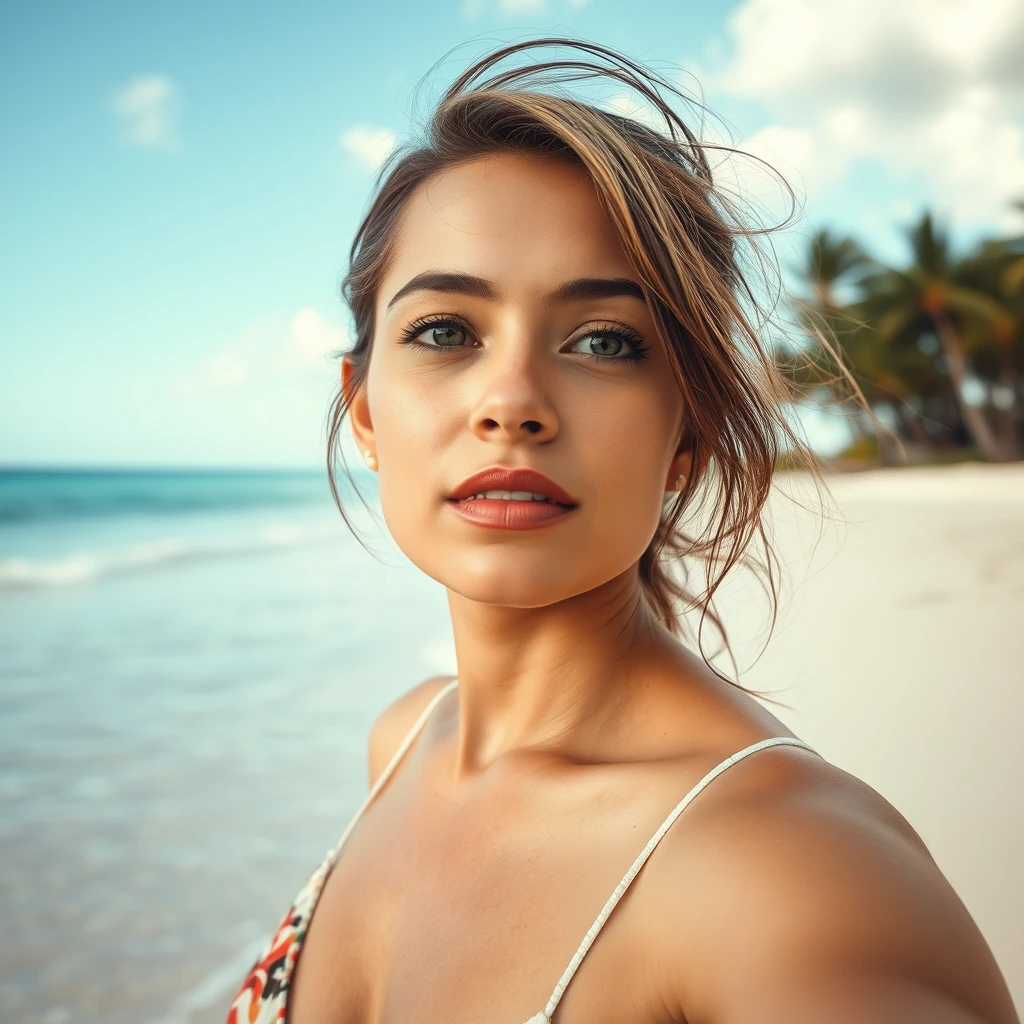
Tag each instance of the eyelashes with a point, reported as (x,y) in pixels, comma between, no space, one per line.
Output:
(450,323)
(627,341)
(446,330)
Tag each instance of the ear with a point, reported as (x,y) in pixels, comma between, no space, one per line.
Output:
(358,408)
(682,463)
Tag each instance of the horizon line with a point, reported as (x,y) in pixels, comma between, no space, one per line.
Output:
(100,467)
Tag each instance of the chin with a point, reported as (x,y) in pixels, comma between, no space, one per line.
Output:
(508,578)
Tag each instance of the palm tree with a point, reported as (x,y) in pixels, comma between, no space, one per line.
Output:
(831,264)
(930,297)
(831,260)
(997,349)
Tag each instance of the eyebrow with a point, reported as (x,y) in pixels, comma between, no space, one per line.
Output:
(570,291)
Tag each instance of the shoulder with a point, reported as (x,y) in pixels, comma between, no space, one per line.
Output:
(394,722)
(797,892)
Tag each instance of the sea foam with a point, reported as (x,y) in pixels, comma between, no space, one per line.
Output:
(84,567)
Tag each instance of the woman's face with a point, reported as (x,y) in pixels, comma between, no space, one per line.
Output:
(511,334)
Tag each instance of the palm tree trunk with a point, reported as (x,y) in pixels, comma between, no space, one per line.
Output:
(911,421)
(974,419)
(1008,418)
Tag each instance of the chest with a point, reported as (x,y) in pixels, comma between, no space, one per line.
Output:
(434,913)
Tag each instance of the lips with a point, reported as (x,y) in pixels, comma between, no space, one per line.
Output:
(511,499)
(503,478)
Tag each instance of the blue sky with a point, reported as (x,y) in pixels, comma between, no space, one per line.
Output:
(182,181)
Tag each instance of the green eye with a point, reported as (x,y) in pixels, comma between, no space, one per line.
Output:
(446,336)
(613,346)
(438,332)
(603,344)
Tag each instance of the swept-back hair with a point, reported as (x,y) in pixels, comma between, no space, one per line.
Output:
(688,246)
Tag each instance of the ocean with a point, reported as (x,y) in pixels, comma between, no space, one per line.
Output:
(189,665)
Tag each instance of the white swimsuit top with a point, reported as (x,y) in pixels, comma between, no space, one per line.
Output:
(263,996)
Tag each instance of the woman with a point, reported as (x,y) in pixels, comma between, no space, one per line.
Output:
(556,376)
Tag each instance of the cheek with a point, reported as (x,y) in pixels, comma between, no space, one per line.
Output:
(626,443)
(408,416)
(412,425)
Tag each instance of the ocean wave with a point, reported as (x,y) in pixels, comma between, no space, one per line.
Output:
(84,567)
(30,495)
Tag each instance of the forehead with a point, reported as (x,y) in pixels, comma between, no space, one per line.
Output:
(522,221)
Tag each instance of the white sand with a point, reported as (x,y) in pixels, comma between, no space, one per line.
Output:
(900,648)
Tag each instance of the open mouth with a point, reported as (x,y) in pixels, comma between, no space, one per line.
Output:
(511,498)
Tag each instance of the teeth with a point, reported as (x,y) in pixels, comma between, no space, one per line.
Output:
(513,496)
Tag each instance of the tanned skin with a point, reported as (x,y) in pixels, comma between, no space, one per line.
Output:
(788,892)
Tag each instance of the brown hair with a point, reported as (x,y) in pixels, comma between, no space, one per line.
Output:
(682,235)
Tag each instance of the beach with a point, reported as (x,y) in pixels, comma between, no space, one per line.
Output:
(187,686)
(900,649)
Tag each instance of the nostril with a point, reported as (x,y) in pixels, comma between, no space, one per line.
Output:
(532,426)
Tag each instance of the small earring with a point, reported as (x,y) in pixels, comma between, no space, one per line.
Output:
(371,459)
(680,481)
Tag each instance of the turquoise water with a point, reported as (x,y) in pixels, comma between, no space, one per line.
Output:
(189,663)
(34,494)
(76,526)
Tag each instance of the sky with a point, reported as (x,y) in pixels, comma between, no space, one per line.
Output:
(181,181)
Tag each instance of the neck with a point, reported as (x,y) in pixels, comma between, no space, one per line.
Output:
(545,677)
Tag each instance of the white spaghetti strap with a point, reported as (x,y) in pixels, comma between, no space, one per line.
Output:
(395,760)
(620,889)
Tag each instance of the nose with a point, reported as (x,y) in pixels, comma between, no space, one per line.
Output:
(513,407)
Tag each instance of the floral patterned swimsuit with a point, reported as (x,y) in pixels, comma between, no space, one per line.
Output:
(263,996)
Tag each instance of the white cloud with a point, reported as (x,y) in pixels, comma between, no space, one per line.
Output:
(265,354)
(932,90)
(631,105)
(146,108)
(311,339)
(224,370)
(369,145)
(795,154)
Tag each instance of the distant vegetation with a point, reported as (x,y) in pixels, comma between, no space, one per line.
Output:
(936,346)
